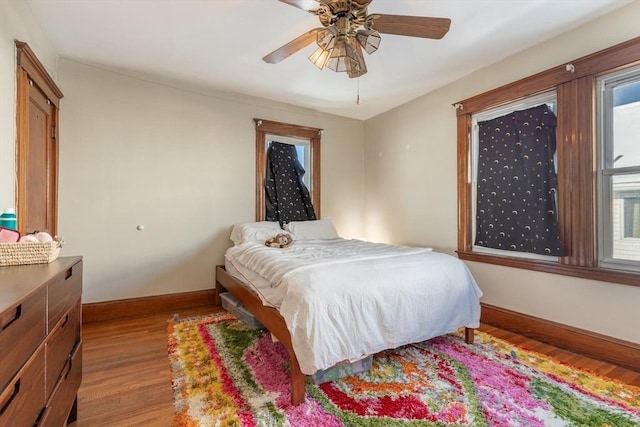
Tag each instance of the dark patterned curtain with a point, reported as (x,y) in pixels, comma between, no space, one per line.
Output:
(287,198)
(517,183)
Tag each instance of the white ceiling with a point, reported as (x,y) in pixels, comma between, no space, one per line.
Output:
(219,44)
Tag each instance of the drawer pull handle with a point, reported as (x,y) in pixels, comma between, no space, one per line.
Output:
(62,322)
(10,318)
(42,415)
(9,399)
(68,274)
(66,319)
(66,370)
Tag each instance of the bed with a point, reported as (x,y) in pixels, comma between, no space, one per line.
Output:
(331,300)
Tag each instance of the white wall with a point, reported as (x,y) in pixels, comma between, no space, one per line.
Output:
(410,173)
(179,162)
(182,164)
(16,23)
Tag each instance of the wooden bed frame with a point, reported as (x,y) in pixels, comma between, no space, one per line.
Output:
(274,322)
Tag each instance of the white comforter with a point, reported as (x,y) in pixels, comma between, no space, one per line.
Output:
(346,299)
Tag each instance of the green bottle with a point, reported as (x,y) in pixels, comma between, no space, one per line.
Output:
(8,219)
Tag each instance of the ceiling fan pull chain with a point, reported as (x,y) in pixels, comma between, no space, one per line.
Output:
(358,95)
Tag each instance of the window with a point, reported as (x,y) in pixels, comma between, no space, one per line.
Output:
(304,138)
(597,178)
(619,168)
(513,181)
(303,150)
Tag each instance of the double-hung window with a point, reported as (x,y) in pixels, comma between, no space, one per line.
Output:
(514,179)
(592,229)
(307,143)
(619,169)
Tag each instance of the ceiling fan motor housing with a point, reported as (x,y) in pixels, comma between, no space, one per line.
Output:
(346,15)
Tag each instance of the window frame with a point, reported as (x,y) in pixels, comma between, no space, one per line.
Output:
(575,85)
(606,169)
(268,128)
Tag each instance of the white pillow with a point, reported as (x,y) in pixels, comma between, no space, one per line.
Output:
(254,231)
(318,229)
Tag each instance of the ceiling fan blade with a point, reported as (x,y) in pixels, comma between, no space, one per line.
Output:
(414,26)
(308,5)
(292,47)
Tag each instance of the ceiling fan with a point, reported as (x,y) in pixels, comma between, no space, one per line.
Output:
(347,29)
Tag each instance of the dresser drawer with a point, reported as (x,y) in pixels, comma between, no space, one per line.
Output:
(64,394)
(22,401)
(60,344)
(64,292)
(22,329)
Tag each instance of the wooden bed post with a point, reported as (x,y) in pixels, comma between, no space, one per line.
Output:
(468,335)
(297,380)
(272,320)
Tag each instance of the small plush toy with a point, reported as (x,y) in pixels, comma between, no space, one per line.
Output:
(281,240)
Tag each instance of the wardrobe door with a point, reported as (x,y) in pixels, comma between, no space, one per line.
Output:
(37,149)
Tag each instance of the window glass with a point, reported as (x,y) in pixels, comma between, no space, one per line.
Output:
(514,179)
(619,175)
(626,124)
(303,147)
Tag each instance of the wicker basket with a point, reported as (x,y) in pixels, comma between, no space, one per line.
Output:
(29,253)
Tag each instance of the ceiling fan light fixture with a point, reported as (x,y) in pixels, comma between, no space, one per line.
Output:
(369,39)
(320,57)
(327,37)
(361,68)
(343,57)
(326,40)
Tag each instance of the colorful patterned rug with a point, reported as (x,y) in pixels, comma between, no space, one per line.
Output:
(227,374)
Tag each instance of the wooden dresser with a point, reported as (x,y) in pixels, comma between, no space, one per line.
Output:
(40,343)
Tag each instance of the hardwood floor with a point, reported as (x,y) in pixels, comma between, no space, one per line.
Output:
(127,378)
